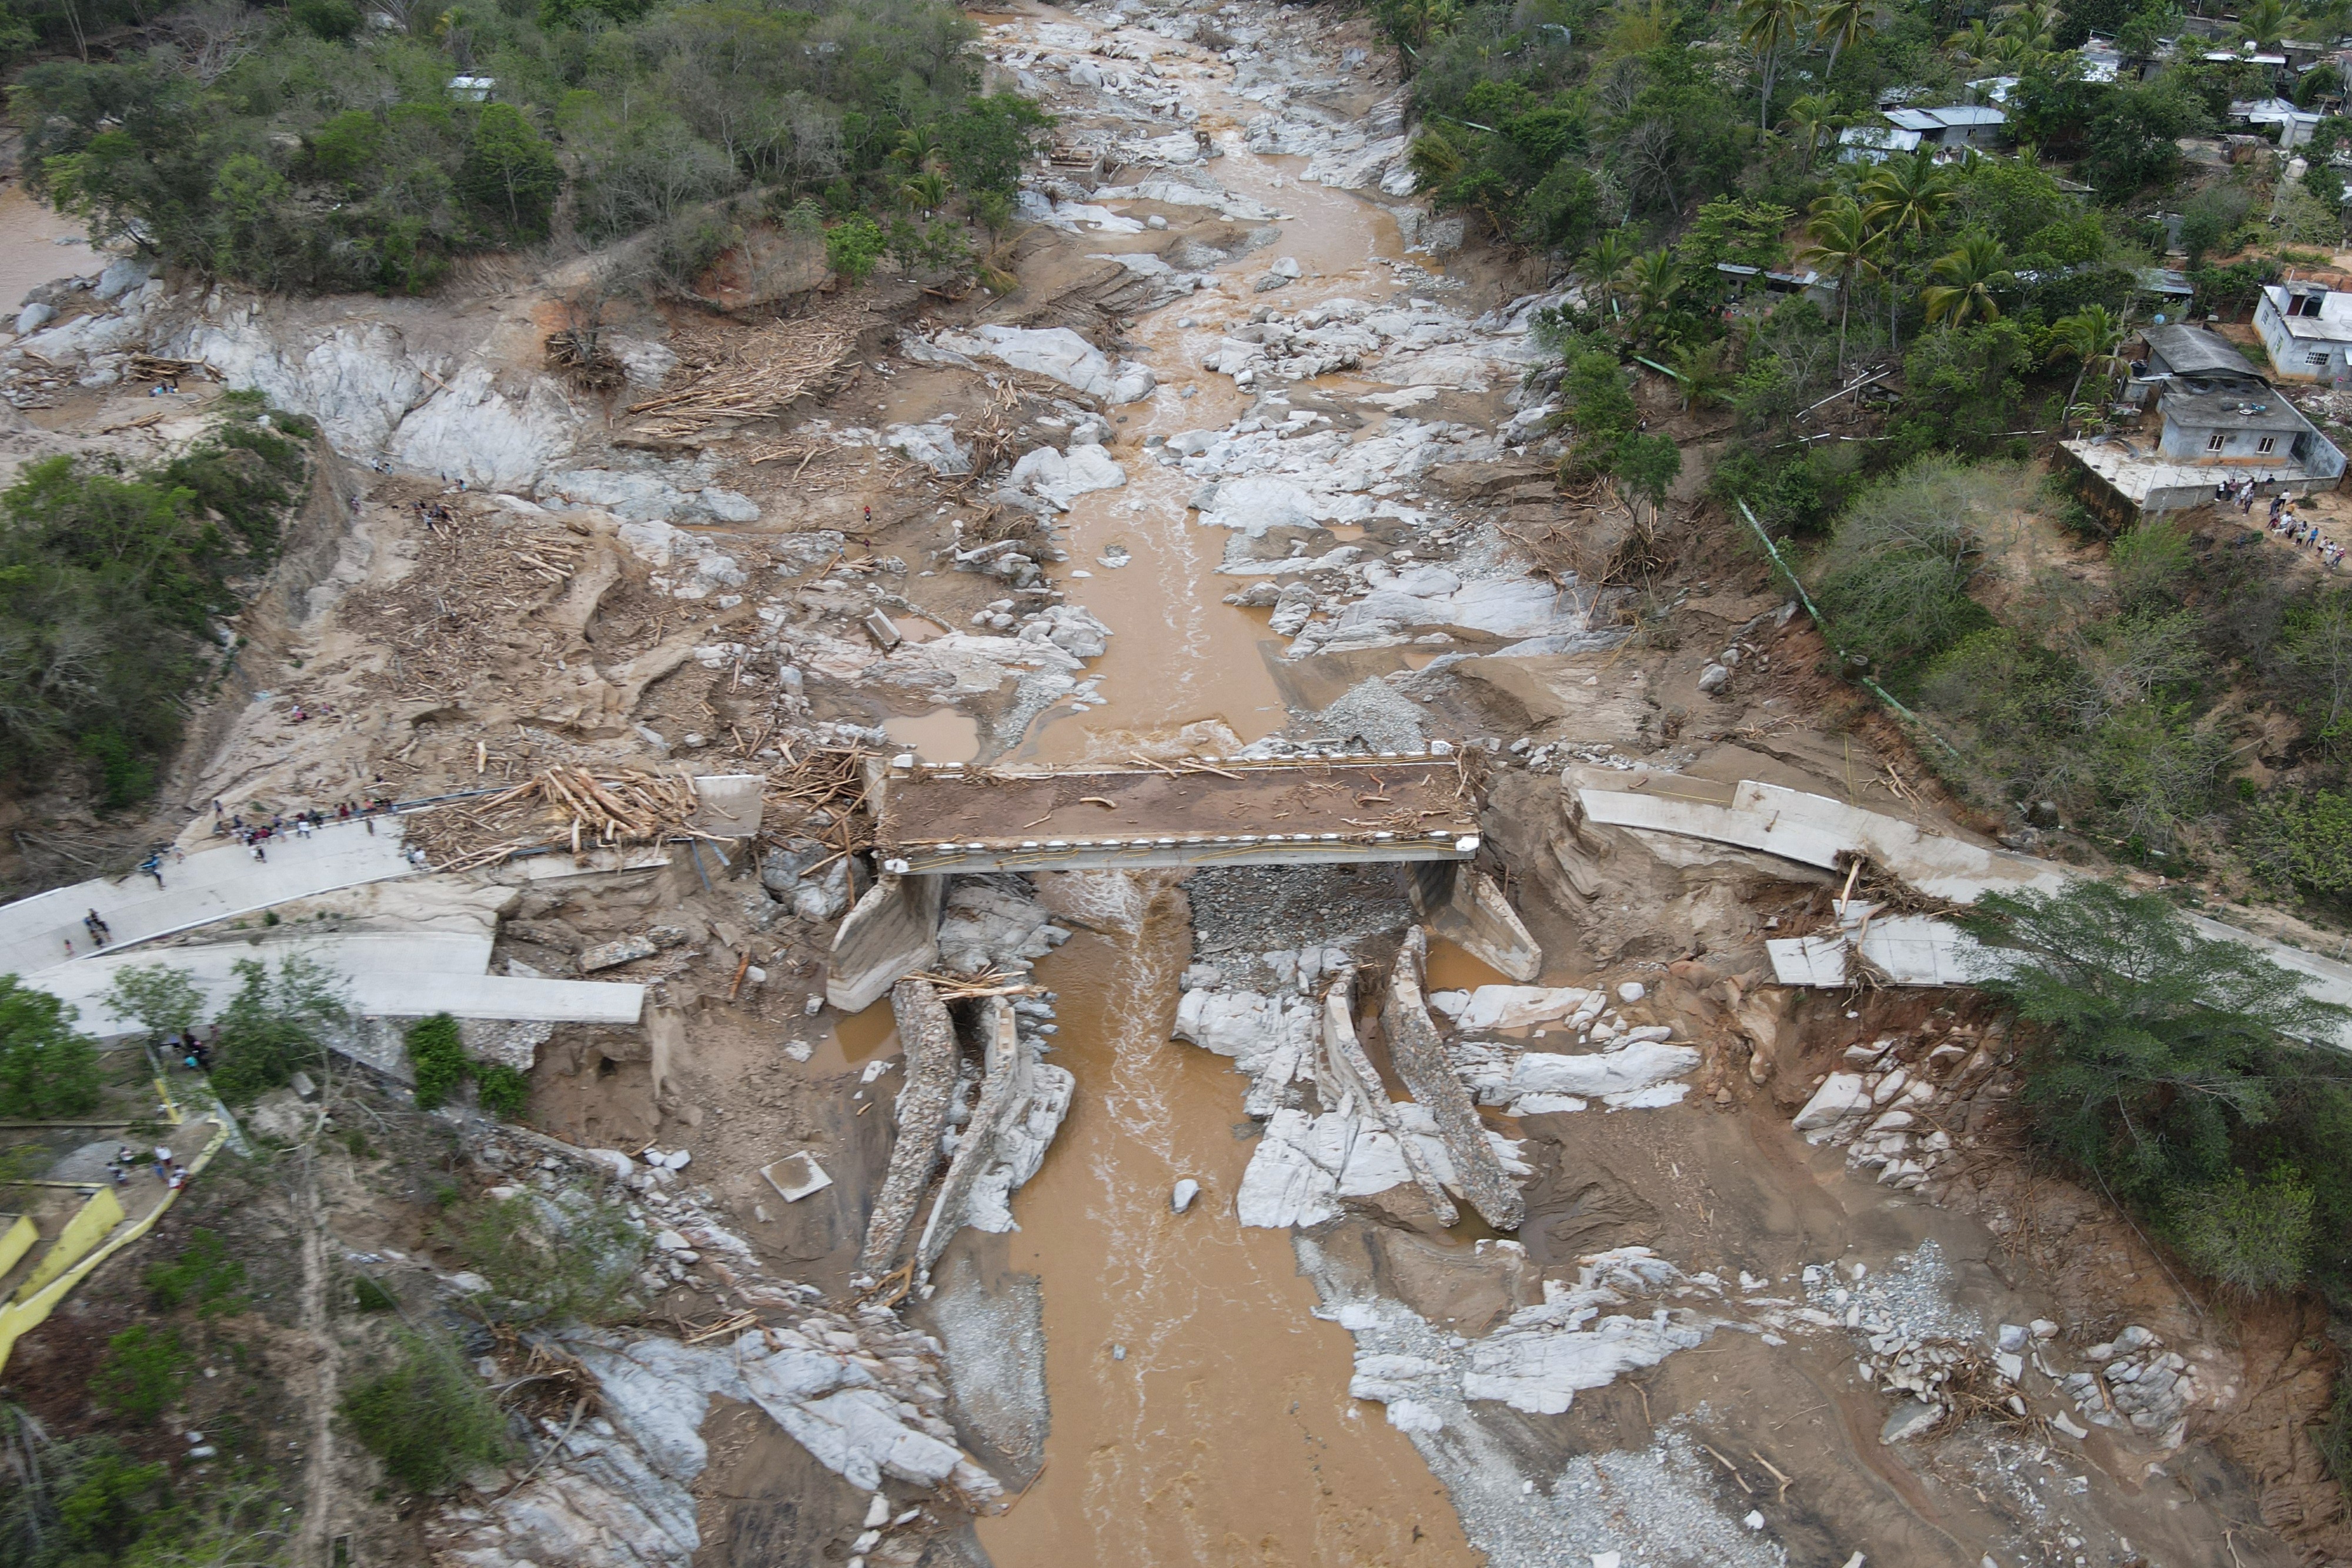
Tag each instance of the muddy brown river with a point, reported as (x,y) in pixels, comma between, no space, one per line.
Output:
(1200,1412)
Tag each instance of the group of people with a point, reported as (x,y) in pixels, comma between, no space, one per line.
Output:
(233,825)
(168,384)
(195,1054)
(2303,535)
(168,1168)
(433,513)
(2284,521)
(100,932)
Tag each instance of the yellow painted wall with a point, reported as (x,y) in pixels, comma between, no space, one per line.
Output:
(32,1308)
(17,1241)
(85,1230)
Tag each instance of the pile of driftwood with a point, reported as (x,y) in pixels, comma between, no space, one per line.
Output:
(755,376)
(583,356)
(817,793)
(566,806)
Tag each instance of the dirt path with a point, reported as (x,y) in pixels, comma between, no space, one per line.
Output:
(319,1475)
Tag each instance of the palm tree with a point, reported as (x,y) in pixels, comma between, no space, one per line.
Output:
(2028,18)
(919,149)
(927,191)
(1657,279)
(1813,114)
(1606,263)
(1973,44)
(1839,23)
(2090,337)
(1906,194)
(1839,241)
(1961,282)
(2263,23)
(1768,26)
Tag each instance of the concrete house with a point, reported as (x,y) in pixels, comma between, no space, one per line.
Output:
(2217,419)
(2306,330)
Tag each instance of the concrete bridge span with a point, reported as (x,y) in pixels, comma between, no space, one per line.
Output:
(1418,811)
(1186,812)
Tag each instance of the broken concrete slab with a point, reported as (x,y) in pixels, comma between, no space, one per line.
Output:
(1419,1061)
(730,805)
(1811,829)
(1464,906)
(921,1114)
(1351,1082)
(893,931)
(796,1176)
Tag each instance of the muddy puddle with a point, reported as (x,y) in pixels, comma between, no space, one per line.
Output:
(36,246)
(1200,1413)
(942,735)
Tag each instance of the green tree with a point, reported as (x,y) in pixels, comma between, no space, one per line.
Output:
(1894,577)
(1747,234)
(1817,117)
(275,1026)
(1906,197)
(426,1417)
(1603,265)
(2090,337)
(2254,1238)
(143,1372)
(2150,1048)
(438,1057)
(511,172)
(164,999)
(1841,241)
(1767,27)
(1839,23)
(2263,23)
(46,1068)
(986,143)
(854,245)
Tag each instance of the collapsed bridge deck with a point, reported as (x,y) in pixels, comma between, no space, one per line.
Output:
(1192,812)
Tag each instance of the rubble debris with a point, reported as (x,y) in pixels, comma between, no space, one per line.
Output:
(613,954)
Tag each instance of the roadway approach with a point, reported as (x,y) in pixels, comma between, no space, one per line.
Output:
(1417,809)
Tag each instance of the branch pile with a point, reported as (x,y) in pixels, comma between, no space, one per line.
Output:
(563,807)
(755,375)
(819,794)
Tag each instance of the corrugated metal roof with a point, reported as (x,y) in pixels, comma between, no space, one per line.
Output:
(2192,350)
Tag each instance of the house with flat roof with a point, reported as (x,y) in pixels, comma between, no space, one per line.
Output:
(2218,420)
(2306,330)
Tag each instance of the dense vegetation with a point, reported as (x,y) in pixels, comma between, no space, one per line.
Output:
(112,583)
(438,1056)
(2181,1072)
(326,145)
(47,1067)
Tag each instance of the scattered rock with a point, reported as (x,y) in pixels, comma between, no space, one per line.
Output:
(1912,1419)
(622,950)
